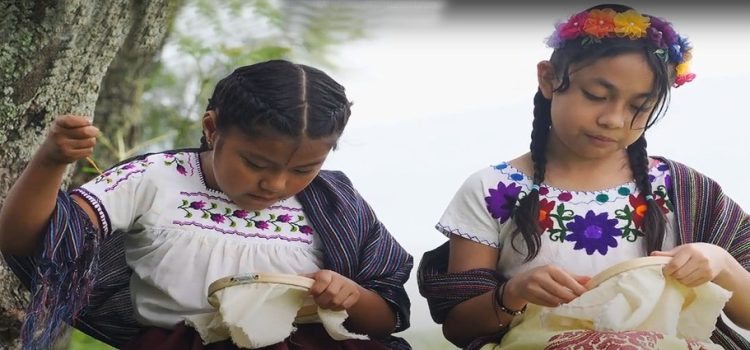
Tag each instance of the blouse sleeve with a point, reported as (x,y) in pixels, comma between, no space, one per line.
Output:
(118,196)
(474,213)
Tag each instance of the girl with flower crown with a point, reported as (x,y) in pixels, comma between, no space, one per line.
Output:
(531,232)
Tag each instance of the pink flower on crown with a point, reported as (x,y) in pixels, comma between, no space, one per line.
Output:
(573,27)
(600,23)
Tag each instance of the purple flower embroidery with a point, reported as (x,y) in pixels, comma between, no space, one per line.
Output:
(198,205)
(306,229)
(240,214)
(284,218)
(593,233)
(217,218)
(181,169)
(668,182)
(261,224)
(501,201)
(128,166)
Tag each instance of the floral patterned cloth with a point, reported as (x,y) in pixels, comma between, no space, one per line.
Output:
(584,232)
(181,235)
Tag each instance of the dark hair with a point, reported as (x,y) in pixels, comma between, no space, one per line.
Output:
(291,99)
(575,52)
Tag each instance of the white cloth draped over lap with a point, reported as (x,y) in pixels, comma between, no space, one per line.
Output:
(261,314)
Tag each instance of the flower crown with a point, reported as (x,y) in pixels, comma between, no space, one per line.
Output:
(595,25)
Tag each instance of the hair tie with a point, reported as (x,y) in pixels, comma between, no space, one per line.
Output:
(649,197)
(534,187)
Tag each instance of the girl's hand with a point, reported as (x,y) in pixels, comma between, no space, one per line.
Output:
(69,139)
(547,285)
(333,291)
(693,264)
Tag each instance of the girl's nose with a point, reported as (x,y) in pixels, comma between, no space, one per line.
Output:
(273,183)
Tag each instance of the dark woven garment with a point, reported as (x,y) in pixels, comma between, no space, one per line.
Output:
(356,245)
(703,214)
(307,337)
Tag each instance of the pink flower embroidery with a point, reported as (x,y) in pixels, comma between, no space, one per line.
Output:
(261,224)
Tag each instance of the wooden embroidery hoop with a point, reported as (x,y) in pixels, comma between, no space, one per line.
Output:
(300,282)
(626,266)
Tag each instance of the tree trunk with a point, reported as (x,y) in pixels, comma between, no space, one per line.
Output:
(54,55)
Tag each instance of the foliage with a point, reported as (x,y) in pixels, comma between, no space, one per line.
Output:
(211,38)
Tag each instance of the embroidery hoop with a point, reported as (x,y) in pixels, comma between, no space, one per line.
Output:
(626,266)
(300,282)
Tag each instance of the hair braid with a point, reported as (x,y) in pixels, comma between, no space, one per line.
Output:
(526,215)
(653,219)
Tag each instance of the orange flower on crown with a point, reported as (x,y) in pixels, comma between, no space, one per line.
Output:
(600,23)
(631,24)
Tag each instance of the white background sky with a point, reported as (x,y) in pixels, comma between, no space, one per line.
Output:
(439,96)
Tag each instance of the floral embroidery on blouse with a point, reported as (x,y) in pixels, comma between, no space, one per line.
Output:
(179,163)
(234,217)
(595,231)
(117,175)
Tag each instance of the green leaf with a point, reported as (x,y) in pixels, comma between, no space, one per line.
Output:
(214,205)
(184,202)
(205,215)
(189,215)
(294,229)
(278,229)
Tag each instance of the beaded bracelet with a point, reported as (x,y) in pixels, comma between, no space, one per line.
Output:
(497,302)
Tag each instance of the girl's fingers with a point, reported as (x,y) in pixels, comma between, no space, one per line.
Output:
(81,144)
(552,293)
(86,132)
(72,121)
(685,271)
(569,283)
(675,263)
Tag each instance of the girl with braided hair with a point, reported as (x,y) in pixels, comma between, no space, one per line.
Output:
(535,229)
(128,257)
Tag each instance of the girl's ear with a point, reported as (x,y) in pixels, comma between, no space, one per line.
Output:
(546,75)
(209,127)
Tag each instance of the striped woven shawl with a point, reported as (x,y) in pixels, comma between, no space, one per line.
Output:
(703,213)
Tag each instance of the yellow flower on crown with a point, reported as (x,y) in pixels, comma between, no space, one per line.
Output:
(631,24)
(683,68)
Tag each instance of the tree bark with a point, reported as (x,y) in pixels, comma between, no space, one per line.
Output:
(54,55)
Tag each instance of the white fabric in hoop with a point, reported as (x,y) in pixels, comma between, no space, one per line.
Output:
(259,313)
(642,298)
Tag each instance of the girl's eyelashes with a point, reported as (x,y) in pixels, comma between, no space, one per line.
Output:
(591,96)
(253,165)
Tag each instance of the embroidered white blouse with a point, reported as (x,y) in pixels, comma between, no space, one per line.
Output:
(584,232)
(181,236)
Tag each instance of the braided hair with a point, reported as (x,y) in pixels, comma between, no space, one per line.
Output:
(291,99)
(526,215)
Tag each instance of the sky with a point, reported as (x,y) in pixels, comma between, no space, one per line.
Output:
(441,91)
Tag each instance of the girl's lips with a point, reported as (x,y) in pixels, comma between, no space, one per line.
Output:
(602,138)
